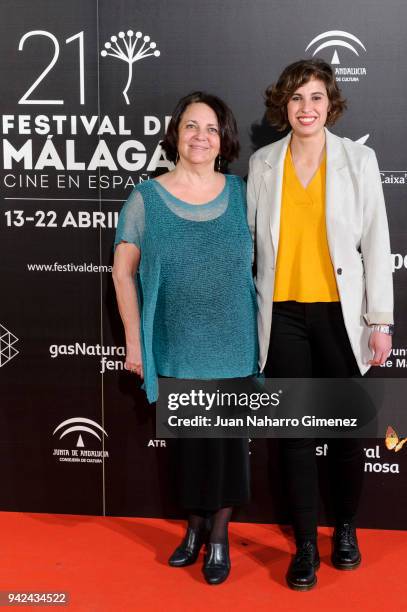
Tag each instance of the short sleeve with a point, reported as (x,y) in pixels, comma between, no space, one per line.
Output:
(130,227)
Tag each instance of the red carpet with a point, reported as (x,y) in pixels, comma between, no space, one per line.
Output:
(119,565)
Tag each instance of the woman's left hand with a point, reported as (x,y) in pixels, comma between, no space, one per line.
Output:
(380,345)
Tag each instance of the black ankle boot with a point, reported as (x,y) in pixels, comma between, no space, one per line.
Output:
(187,552)
(301,573)
(217,563)
(345,553)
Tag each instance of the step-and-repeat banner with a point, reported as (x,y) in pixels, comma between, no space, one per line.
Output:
(87,88)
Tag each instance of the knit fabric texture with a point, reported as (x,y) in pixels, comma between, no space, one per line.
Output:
(195,287)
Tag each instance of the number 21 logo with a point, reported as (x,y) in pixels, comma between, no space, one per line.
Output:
(25,98)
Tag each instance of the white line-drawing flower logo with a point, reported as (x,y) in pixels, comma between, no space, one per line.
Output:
(130,53)
(336,42)
(79,424)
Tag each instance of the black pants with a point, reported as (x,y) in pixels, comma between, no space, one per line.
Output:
(310,340)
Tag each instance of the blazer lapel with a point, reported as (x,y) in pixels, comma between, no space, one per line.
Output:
(273,183)
(336,190)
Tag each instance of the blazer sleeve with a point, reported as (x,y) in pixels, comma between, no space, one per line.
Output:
(375,246)
(251,204)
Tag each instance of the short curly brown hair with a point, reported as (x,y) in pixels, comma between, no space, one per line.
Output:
(229,139)
(294,76)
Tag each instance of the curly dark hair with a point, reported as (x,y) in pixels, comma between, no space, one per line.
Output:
(294,76)
(229,140)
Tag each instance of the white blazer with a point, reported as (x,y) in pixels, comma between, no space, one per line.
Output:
(357,231)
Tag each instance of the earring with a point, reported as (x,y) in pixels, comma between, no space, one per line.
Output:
(177,158)
(218,163)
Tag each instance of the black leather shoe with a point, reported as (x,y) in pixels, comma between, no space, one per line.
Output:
(187,552)
(217,563)
(345,553)
(301,573)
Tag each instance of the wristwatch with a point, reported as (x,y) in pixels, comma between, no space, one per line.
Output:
(385,329)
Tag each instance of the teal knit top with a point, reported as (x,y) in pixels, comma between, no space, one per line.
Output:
(195,287)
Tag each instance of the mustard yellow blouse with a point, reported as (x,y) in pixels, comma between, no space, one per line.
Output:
(304,271)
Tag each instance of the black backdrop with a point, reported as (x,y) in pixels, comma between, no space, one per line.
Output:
(74,140)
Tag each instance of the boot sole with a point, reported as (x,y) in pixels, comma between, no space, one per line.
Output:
(297,587)
(347,566)
(217,581)
(191,562)
(303,587)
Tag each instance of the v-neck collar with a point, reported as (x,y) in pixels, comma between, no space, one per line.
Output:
(308,188)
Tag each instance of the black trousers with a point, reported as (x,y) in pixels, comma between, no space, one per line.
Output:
(310,340)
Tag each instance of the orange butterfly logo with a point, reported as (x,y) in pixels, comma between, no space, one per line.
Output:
(393,442)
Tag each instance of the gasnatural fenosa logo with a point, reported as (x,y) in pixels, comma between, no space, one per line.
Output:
(135,47)
(346,40)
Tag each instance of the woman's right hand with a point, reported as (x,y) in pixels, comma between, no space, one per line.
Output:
(134,362)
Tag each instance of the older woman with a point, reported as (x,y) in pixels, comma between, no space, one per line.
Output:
(324,283)
(187,233)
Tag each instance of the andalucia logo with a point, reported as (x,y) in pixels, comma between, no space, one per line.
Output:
(338,39)
(80,426)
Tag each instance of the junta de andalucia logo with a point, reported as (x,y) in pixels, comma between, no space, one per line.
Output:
(339,39)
